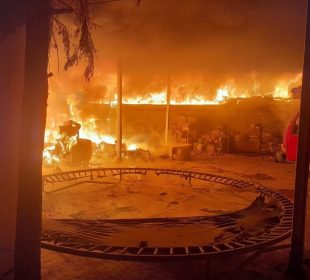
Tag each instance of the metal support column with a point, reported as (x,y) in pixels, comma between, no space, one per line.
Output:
(119,111)
(168,97)
(302,166)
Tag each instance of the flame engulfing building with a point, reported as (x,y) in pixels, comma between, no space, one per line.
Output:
(214,54)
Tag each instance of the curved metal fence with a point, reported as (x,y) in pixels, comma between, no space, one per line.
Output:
(70,241)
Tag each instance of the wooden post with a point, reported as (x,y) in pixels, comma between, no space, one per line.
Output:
(302,166)
(119,111)
(12,50)
(168,97)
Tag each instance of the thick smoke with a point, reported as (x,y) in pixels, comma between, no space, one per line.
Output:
(203,44)
(217,40)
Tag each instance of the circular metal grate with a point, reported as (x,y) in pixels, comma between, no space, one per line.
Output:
(89,237)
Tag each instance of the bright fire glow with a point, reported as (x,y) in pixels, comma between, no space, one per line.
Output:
(90,130)
(283,87)
(49,157)
(281,91)
(50,135)
(159,98)
(223,93)
(132,147)
(156,98)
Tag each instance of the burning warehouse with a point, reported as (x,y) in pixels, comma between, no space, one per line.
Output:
(253,124)
(154,131)
(204,73)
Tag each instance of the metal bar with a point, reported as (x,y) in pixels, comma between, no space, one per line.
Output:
(229,246)
(168,97)
(120,175)
(107,249)
(156,251)
(302,166)
(140,251)
(186,250)
(119,111)
(124,250)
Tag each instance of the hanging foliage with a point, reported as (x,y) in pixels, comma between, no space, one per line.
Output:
(78,44)
(77,40)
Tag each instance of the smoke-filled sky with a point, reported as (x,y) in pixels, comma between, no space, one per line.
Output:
(207,41)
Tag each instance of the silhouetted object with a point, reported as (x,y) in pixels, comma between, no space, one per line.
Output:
(302,166)
(168,97)
(29,202)
(290,140)
(119,142)
(70,148)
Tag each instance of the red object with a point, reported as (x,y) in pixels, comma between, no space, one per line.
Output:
(290,139)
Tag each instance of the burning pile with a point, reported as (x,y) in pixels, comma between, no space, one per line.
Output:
(74,145)
(69,146)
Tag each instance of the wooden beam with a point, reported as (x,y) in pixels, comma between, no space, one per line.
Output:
(12,50)
(33,116)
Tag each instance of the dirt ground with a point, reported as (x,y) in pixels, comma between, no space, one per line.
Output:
(162,196)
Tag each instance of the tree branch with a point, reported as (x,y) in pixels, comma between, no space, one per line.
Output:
(102,2)
(61,11)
